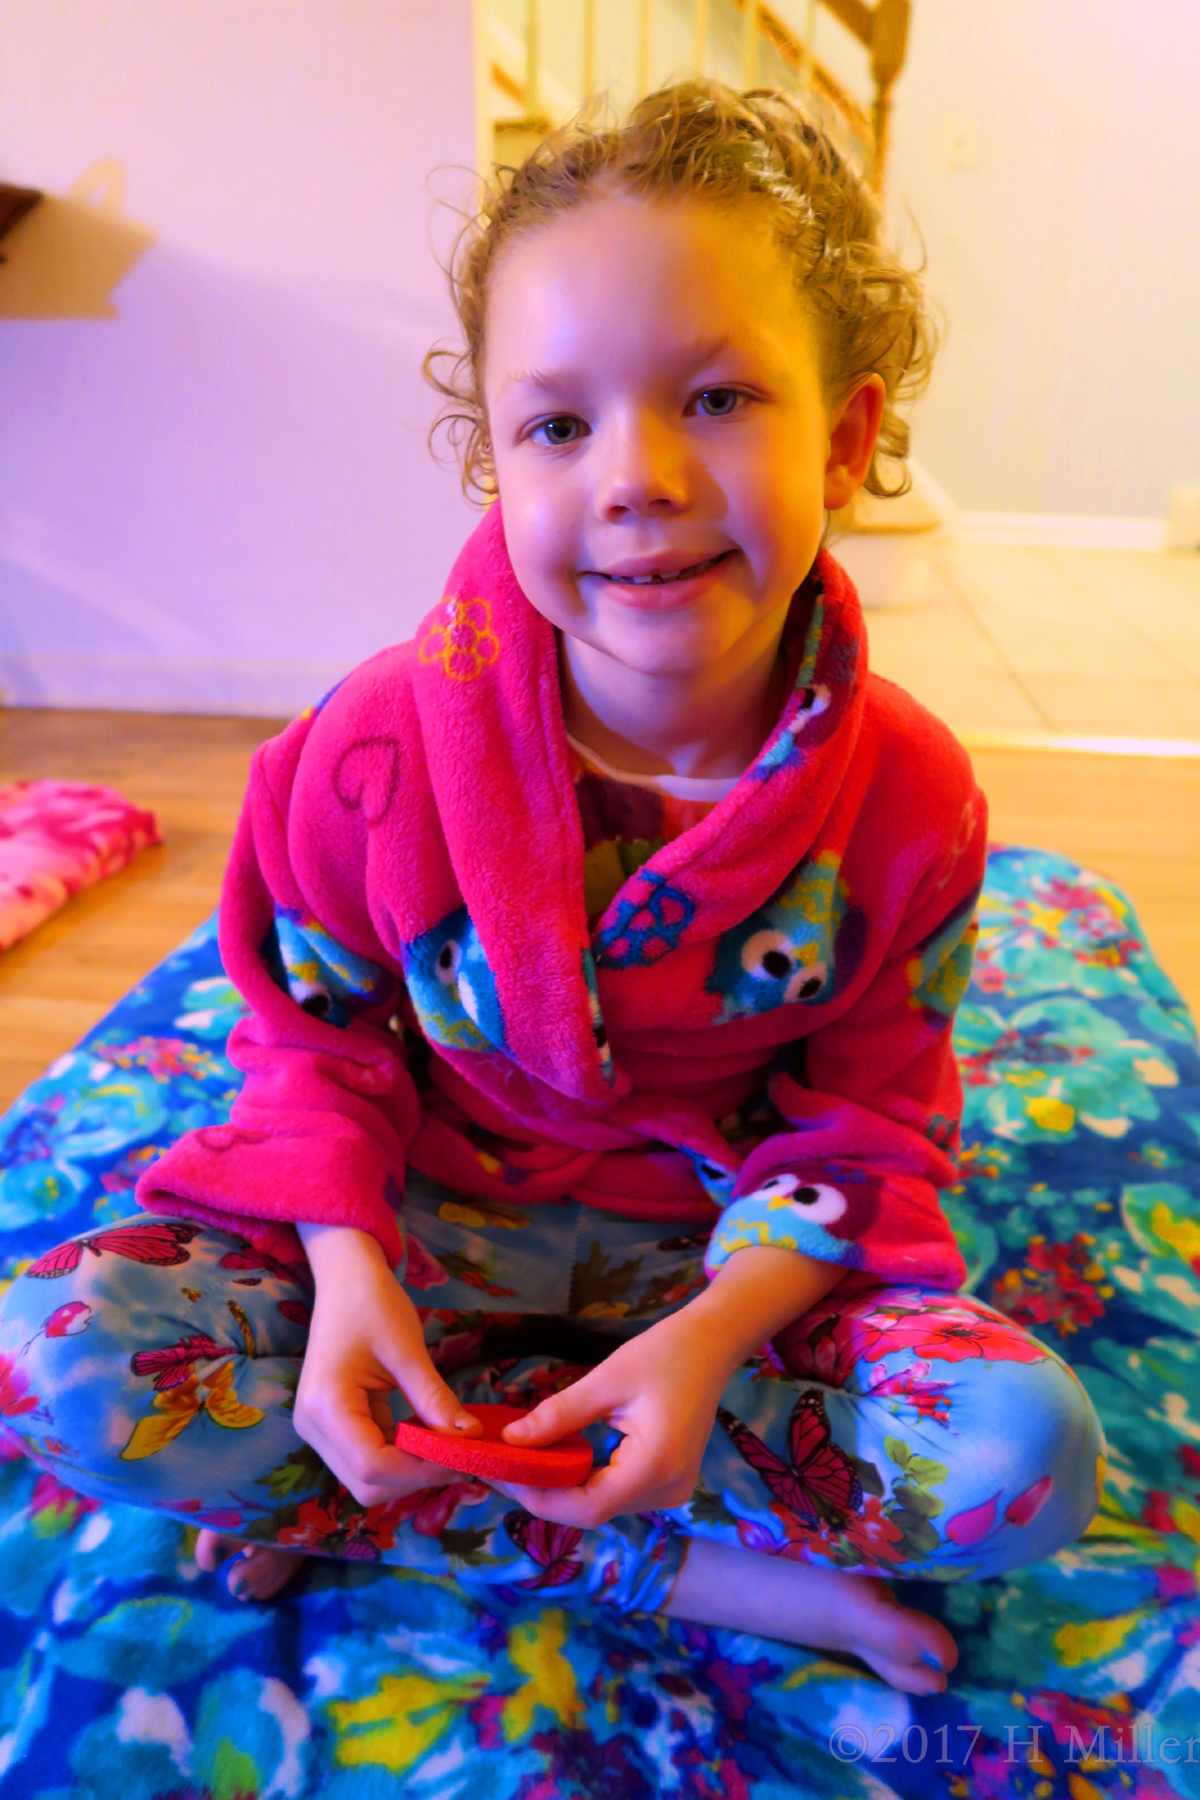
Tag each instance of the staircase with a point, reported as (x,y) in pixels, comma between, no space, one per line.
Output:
(538,59)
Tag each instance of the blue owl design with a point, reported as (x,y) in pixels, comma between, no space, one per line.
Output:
(821,1218)
(802,947)
(718,1183)
(452,987)
(802,735)
(321,975)
(940,968)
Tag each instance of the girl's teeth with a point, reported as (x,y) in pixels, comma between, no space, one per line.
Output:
(680,575)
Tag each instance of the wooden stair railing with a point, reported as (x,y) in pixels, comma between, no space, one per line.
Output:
(881,29)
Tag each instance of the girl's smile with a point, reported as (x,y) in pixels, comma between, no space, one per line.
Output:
(657,583)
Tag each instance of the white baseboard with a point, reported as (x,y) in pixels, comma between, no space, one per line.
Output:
(1091,746)
(1065,531)
(269,690)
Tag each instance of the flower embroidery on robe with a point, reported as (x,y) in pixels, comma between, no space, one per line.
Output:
(464,643)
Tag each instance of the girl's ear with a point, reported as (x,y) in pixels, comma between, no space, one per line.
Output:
(853,429)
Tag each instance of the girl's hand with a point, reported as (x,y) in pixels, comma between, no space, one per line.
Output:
(661,1389)
(366,1340)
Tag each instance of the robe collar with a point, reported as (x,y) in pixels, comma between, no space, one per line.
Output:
(486,683)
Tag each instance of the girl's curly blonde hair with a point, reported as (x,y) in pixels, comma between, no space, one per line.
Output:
(699,137)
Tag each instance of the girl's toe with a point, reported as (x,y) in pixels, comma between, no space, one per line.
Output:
(933,1645)
(260,1573)
(908,1677)
(211,1549)
(908,1648)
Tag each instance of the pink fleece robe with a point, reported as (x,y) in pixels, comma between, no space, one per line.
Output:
(755,1038)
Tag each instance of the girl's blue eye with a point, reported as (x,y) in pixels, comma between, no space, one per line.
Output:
(719,402)
(563,423)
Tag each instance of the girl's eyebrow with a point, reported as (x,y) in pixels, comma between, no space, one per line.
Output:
(689,356)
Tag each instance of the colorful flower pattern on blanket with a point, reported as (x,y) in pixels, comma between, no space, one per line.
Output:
(124,1673)
(57,837)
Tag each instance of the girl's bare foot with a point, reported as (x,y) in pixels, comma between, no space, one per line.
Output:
(823,1609)
(258,1573)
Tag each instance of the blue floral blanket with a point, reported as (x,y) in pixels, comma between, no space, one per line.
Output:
(124,1672)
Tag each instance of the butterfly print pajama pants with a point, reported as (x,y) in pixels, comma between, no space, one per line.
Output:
(892,1430)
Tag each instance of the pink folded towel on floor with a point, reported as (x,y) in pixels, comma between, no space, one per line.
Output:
(57,837)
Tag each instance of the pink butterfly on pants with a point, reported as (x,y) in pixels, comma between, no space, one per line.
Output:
(549,1545)
(172,1365)
(819,1484)
(158,1241)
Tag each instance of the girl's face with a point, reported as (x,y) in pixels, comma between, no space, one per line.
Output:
(656,410)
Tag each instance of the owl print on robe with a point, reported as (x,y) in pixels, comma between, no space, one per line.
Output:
(801,947)
(940,968)
(322,976)
(452,988)
(814,721)
(824,1217)
(718,1183)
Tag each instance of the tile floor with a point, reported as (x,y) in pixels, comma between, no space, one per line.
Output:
(1020,642)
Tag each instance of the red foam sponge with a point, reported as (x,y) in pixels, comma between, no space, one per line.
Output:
(567,1463)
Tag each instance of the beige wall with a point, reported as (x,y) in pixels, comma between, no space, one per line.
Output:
(215,493)
(1065,250)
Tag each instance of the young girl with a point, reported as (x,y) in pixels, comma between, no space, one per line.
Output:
(602,947)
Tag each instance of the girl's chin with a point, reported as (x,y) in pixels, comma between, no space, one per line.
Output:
(683,641)
(676,657)
(707,628)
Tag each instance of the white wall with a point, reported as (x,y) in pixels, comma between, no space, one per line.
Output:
(1066,254)
(215,493)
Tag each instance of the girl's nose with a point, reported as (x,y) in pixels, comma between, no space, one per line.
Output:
(642,468)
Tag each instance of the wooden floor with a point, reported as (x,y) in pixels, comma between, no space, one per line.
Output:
(1136,819)
(56,984)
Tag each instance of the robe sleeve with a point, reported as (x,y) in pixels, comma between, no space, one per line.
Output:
(319,1130)
(875,1107)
